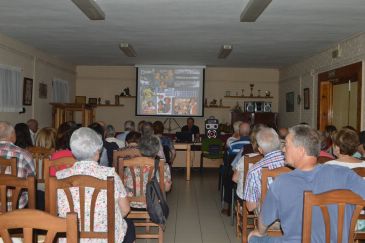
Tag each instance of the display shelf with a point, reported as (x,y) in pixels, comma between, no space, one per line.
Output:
(249,97)
(111,105)
(221,107)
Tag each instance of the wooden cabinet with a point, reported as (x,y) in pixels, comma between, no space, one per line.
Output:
(268,118)
(62,112)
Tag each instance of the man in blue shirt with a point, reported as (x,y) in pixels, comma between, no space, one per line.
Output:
(236,146)
(284,200)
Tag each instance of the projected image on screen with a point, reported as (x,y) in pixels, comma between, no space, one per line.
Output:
(170,91)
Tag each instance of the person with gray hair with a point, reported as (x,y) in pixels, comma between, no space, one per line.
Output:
(8,150)
(128,127)
(148,147)
(236,133)
(268,142)
(284,200)
(110,136)
(86,146)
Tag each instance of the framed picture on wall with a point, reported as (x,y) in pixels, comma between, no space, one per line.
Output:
(42,91)
(27,91)
(306,99)
(290,102)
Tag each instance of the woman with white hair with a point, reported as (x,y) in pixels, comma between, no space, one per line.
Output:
(86,145)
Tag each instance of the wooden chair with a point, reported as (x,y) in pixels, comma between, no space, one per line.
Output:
(16,185)
(244,217)
(120,154)
(323,159)
(57,164)
(29,219)
(211,148)
(266,174)
(339,197)
(142,218)
(360,235)
(5,163)
(39,155)
(81,182)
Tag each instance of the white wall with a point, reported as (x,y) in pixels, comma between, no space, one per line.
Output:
(305,75)
(107,81)
(40,67)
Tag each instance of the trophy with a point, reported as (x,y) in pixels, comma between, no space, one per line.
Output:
(251,87)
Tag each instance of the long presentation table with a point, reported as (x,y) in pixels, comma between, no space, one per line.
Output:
(186,147)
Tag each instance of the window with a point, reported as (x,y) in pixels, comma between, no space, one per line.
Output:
(10,89)
(61,93)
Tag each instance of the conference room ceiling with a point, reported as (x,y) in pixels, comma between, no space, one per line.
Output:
(183,31)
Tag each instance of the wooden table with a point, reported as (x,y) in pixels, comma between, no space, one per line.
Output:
(186,147)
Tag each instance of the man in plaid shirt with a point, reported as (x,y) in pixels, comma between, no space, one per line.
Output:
(269,145)
(25,163)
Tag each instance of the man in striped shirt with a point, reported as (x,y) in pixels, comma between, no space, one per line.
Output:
(235,146)
(25,163)
(269,145)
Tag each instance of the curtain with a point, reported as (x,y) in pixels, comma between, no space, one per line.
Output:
(61,92)
(11,89)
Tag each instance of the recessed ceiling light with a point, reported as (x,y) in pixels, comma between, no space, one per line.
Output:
(127,49)
(225,51)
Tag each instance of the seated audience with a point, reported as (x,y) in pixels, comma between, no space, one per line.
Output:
(283,132)
(45,138)
(87,154)
(324,146)
(284,200)
(148,147)
(236,133)
(269,146)
(244,132)
(128,127)
(106,157)
(25,163)
(140,125)
(190,127)
(147,130)
(23,137)
(361,147)
(131,150)
(33,128)
(345,145)
(110,136)
(329,132)
(166,142)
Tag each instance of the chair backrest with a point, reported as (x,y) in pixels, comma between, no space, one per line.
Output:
(360,171)
(81,182)
(323,159)
(339,197)
(39,155)
(29,219)
(250,160)
(16,185)
(212,145)
(5,163)
(140,168)
(124,153)
(56,165)
(266,174)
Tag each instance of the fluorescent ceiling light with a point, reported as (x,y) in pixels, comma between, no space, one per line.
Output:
(90,8)
(127,49)
(253,10)
(225,51)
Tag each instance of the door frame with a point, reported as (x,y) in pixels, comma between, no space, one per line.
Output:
(343,75)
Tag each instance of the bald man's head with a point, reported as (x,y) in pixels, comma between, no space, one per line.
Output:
(245,129)
(7,132)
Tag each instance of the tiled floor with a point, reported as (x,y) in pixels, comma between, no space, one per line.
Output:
(195,211)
